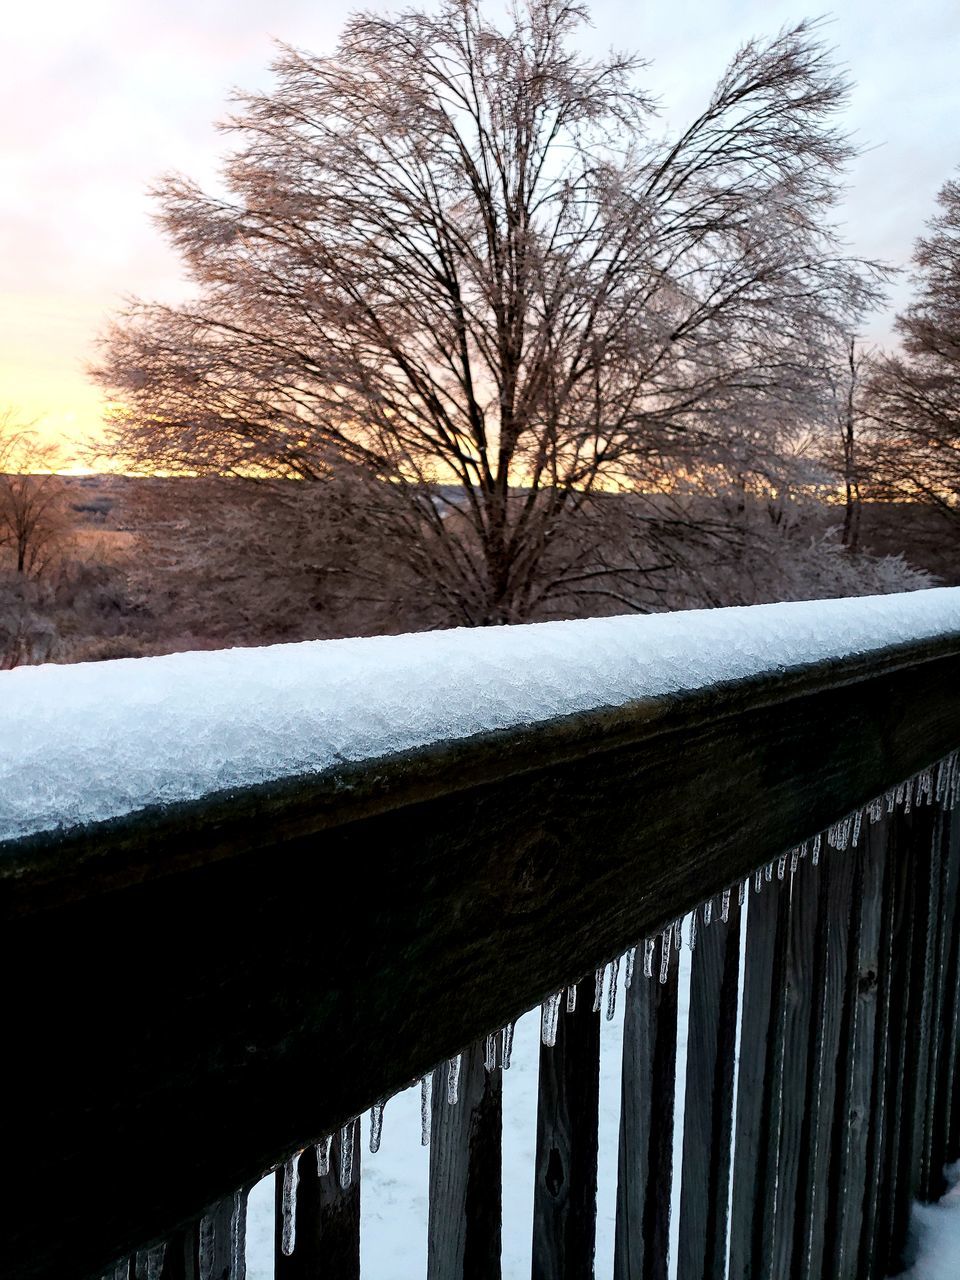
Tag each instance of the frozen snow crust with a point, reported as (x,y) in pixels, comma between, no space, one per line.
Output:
(96,740)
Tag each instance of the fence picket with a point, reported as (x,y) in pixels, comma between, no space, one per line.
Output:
(849,1185)
(565,1179)
(708,1110)
(463,1232)
(757,1123)
(327,1238)
(645,1160)
(829,1051)
(181,1259)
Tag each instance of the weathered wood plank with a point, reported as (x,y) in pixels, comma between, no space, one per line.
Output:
(928,1174)
(327,1217)
(948,1120)
(463,1229)
(565,1175)
(902,1060)
(181,1258)
(879,1128)
(757,1124)
(922,851)
(938,1136)
(223,1239)
(849,1183)
(708,1108)
(799,985)
(648,1085)
(827,1061)
(212,956)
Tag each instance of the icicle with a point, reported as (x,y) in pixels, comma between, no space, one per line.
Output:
(908,796)
(782,866)
(708,911)
(815,859)
(677,934)
(507,1045)
(155,1258)
(453,1079)
(612,989)
(926,779)
(758,880)
(323,1156)
(692,941)
(857,824)
(900,793)
(768,872)
(876,810)
(649,947)
(288,1209)
(346,1154)
(597,990)
(119,1271)
(549,1017)
(725,906)
(742,892)
(238,1235)
(426,1099)
(794,860)
(628,969)
(941,778)
(376,1125)
(490,1053)
(572,998)
(664,955)
(890,800)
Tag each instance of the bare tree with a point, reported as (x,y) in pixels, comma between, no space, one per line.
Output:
(848,432)
(34,526)
(915,395)
(462,258)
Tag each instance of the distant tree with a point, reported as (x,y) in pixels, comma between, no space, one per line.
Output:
(459,258)
(915,395)
(34,524)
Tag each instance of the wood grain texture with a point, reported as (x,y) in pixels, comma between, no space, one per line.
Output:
(901,1084)
(826,1063)
(645,1158)
(565,1173)
(209,952)
(947,1122)
(879,1127)
(757,1123)
(464,1220)
(795,1056)
(181,1259)
(708,1108)
(849,1181)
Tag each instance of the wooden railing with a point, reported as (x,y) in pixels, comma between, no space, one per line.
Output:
(195,994)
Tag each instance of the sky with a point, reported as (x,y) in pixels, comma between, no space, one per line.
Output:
(100,99)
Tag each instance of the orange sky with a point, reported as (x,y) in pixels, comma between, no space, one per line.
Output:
(99,99)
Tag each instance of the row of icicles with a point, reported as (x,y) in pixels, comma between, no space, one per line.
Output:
(940,783)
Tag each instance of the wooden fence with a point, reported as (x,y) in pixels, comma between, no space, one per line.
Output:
(201,993)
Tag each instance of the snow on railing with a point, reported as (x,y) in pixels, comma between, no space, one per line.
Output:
(92,741)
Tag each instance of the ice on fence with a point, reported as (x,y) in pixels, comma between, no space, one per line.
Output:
(97,740)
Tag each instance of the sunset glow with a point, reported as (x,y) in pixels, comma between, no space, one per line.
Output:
(95,117)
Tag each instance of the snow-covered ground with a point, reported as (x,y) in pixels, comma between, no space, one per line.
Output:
(99,739)
(935,1235)
(393,1197)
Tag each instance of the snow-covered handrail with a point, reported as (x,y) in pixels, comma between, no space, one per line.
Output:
(83,743)
(348,896)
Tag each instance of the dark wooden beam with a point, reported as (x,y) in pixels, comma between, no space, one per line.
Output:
(219,984)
